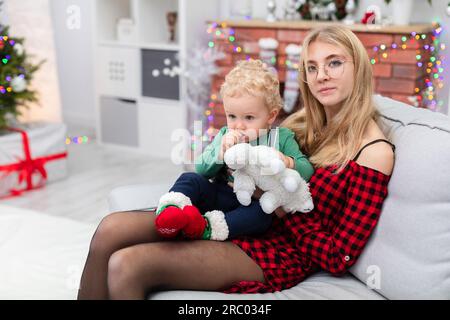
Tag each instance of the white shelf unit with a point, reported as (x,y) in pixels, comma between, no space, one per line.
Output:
(135,109)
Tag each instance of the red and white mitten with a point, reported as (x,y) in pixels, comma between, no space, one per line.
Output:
(174,215)
(170,218)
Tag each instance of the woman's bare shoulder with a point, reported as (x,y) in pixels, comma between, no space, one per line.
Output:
(378,156)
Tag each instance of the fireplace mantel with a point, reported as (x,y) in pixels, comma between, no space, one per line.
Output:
(308,24)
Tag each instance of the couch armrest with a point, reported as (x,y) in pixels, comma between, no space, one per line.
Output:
(136,197)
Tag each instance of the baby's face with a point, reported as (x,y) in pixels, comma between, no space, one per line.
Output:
(248,114)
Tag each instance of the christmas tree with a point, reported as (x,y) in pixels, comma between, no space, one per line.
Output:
(16,73)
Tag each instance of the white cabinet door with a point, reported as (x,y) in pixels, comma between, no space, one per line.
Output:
(119,71)
(158,121)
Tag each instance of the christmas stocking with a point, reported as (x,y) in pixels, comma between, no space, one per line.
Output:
(268,52)
(291,88)
(176,214)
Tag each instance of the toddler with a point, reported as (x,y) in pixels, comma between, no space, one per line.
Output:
(202,205)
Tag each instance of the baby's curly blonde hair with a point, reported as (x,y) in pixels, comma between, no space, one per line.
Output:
(253,77)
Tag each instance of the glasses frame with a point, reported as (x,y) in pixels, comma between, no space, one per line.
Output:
(323,65)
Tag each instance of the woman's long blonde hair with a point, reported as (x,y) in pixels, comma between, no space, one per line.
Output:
(336,142)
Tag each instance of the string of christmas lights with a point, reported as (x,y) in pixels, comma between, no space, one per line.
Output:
(227,37)
(223,35)
(433,65)
(77,140)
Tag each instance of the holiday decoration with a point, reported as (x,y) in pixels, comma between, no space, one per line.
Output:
(77,140)
(292,87)
(30,156)
(16,73)
(350,8)
(291,10)
(271,8)
(268,52)
(325,9)
(200,67)
(369,18)
(389,1)
(432,66)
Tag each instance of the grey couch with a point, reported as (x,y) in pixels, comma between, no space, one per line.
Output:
(408,255)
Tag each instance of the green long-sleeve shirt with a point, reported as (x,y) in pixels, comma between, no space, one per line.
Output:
(209,164)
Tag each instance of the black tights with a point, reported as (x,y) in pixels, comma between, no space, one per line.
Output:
(127,259)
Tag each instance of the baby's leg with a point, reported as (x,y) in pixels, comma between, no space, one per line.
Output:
(247,220)
(197,188)
(116,231)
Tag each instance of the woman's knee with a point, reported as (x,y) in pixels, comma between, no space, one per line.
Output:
(119,269)
(103,239)
(125,268)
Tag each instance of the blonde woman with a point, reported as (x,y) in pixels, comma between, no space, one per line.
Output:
(338,131)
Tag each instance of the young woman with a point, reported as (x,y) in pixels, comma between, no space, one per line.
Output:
(353,160)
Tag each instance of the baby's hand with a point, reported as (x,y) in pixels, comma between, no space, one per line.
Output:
(229,139)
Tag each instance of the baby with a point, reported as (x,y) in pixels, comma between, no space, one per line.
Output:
(252,101)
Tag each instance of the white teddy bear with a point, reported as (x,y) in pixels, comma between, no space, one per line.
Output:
(261,166)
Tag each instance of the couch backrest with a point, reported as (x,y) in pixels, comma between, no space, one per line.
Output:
(408,255)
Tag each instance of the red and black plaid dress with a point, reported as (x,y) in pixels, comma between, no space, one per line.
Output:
(331,237)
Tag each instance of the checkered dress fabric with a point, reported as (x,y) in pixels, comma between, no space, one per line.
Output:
(331,237)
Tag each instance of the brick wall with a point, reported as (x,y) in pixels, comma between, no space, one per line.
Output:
(396,76)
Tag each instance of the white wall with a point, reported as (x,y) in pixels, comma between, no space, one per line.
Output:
(74,29)
(31,20)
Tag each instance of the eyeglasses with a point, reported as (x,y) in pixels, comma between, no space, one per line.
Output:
(334,69)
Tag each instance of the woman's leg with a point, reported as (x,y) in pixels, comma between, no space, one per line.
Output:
(116,231)
(196,265)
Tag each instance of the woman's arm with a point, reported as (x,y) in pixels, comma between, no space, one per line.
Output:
(337,249)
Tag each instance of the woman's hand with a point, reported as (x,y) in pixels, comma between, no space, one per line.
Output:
(278,211)
(288,161)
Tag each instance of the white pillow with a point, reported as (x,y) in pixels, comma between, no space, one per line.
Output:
(408,255)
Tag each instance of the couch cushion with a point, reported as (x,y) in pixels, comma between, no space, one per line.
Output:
(321,285)
(42,256)
(409,250)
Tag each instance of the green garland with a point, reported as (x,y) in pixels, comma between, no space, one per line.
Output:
(16,73)
(340,14)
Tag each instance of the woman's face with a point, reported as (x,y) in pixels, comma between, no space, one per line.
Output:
(330,75)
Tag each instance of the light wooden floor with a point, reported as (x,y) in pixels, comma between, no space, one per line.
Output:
(93,172)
